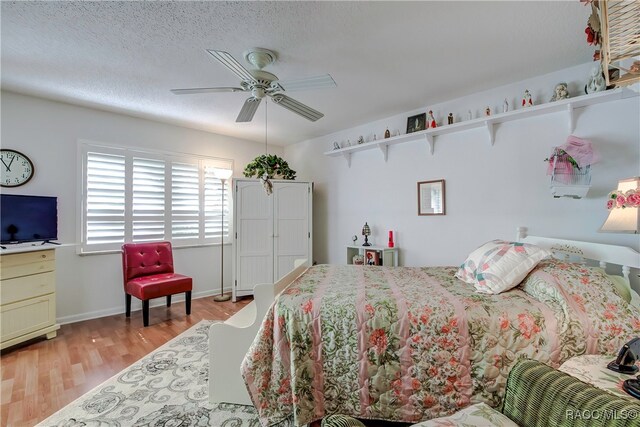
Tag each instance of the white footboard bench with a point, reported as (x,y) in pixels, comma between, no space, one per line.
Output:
(229,341)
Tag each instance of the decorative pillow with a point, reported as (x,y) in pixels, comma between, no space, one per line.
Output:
(498,266)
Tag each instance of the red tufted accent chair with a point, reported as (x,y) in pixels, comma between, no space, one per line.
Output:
(148,273)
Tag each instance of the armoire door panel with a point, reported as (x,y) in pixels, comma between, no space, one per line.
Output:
(254,270)
(293,236)
(292,202)
(254,202)
(255,236)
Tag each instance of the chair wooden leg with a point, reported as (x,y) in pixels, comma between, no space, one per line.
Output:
(187,298)
(127,304)
(145,312)
(168,300)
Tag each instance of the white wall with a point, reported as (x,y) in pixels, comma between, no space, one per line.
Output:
(48,133)
(490,191)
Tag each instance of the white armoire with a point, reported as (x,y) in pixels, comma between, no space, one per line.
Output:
(270,232)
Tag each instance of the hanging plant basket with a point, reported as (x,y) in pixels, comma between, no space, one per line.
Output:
(272,166)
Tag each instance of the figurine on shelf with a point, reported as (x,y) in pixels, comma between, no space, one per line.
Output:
(487,111)
(397,132)
(560,92)
(374,137)
(505,106)
(470,115)
(526,99)
(596,81)
(431,120)
(360,140)
(348,143)
(387,134)
(336,146)
(450,119)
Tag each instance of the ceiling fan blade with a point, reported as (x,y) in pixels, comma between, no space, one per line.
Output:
(297,107)
(206,90)
(316,82)
(248,109)
(232,64)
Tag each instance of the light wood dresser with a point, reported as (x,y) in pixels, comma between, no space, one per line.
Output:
(27,296)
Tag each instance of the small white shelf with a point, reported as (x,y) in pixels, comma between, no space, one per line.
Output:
(488,123)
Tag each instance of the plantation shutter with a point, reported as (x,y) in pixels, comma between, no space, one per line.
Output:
(185,201)
(105,199)
(136,196)
(148,206)
(214,205)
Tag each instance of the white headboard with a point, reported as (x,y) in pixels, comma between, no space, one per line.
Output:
(604,254)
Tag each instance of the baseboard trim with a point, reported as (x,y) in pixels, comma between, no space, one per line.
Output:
(158,302)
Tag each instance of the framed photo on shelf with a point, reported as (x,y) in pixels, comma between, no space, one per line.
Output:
(416,123)
(371,258)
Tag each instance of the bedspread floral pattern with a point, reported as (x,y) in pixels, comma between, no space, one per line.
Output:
(403,344)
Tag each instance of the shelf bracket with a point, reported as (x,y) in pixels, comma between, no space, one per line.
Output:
(385,150)
(432,144)
(347,156)
(491,130)
(572,117)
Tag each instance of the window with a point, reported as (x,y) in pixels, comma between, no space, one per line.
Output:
(136,196)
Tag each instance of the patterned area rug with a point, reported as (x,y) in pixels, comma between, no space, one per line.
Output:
(168,387)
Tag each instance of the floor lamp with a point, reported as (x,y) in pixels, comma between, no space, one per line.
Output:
(223,175)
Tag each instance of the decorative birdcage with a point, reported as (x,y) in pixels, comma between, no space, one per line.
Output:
(568,179)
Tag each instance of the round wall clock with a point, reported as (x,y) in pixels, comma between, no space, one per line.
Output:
(16,168)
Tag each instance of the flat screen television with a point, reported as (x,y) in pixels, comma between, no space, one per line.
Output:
(28,218)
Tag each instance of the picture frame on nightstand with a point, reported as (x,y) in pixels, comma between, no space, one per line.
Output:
(371,258)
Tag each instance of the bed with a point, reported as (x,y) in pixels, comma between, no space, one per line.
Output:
(410,344)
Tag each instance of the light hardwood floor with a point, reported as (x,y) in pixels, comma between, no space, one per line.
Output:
(41,376)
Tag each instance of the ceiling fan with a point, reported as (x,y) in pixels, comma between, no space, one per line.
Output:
(261,83)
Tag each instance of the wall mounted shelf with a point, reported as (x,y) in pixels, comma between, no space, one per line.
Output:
(488,123)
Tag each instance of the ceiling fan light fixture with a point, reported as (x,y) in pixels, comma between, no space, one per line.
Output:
(260,57)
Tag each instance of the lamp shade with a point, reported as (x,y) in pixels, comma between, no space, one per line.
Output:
(624,204)
(366,231)
(222,173)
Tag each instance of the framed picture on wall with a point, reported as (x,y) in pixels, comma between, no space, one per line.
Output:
(371,258)
(416,123)
(431,197)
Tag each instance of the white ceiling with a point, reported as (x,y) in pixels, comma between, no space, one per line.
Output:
(386,57)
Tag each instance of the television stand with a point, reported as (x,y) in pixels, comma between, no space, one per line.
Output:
(50,242)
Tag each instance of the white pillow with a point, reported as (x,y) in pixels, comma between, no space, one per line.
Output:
(498,266)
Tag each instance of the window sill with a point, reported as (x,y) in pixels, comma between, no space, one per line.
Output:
(175,248)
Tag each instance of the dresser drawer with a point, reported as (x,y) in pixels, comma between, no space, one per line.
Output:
(21,288)
(23,317)
(16,265)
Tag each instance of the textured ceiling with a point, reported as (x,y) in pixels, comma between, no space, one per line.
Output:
(386,57)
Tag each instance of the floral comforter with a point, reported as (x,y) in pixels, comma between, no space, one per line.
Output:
(411,344)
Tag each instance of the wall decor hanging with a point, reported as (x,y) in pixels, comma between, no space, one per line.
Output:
(431,197)
(570,168)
